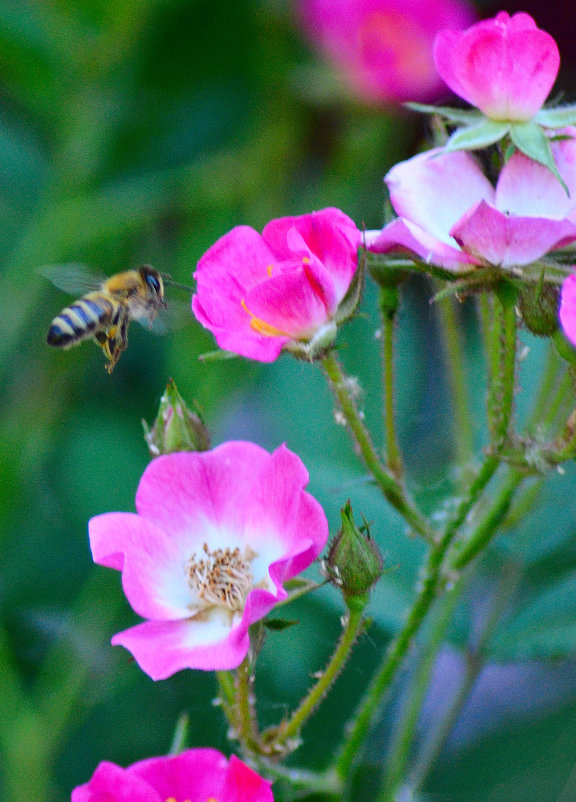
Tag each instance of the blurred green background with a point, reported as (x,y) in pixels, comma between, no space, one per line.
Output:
(139,131)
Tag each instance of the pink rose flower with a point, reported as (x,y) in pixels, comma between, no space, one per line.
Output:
(196,775)
(505,66)
(450,215)
(567,311)
(215,536)
(383,48)
(259,293)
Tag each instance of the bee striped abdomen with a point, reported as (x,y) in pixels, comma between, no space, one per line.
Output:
(79,321)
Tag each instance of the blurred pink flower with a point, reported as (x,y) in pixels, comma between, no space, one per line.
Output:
(215,536)
(568,308)
(505,66)
(384,47)
(259,293)
(450,215)
(196,775)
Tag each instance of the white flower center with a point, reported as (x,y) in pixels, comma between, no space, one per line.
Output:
(221,578)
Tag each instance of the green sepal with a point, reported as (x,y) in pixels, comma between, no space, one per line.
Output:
(478,136)
(564,347)
(350,302)
(533,142)
(463,116)
(558,117)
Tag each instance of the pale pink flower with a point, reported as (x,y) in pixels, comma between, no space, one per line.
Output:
(451,216)
(261,293)
(196,775)
(215,536)
(505,66)
(383,48)
(567,311)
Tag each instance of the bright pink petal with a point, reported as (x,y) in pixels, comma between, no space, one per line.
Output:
(110,783)
(290,304)
(528,188)
(241,338)
(328,234)
(236,262)
(201,494)
(242,784)
(285,525)
(151,563)
(404,236)
(241,256)
(435,189)
(568,308)
(500,239)
(196,775)
(504,66)
(161,648)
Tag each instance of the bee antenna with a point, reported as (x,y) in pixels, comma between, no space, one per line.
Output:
(169,283)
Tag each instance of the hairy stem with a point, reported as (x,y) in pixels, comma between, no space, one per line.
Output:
(352,626)
(390,486)
(389,300)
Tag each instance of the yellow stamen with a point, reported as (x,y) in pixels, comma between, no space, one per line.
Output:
(269,270)
(261,326)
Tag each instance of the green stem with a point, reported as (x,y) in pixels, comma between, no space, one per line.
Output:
(353,624)
(247,728)
(395,653)
(389,299)
(503,366)
(389,484)
(402,745)
(489,525)
(227,695)
(474,663)
(463,432)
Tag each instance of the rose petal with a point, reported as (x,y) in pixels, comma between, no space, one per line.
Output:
(505,240)
(289,304)
(528,188)
(152,562)
(434,189)
(198,774)
(110,783)
(201,495)
(504,66)
(567,312)
(402,235)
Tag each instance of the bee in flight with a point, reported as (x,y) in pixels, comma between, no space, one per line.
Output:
(104,313)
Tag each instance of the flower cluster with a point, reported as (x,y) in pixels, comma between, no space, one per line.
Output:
(218,533)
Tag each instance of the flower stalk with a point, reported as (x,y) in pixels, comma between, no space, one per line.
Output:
(387,482)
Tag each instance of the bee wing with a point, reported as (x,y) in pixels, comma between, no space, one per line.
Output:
(74,278)
(177,315)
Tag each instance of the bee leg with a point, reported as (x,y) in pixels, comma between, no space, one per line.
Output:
(116,341)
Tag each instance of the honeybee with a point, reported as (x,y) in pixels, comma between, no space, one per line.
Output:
(105,312)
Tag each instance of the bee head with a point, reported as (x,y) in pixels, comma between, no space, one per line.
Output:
(153,282)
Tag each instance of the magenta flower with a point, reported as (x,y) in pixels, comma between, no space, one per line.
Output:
(451,216)
(197,775)
(383,48)
(215,536)
(505,66)
(567,311)
(259,293)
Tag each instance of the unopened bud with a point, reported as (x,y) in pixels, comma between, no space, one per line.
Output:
(176,427)
(354,561)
